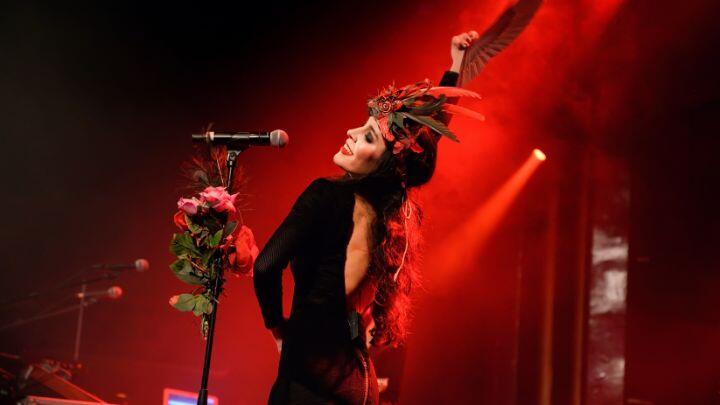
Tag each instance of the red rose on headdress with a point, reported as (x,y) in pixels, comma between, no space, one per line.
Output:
(415,99)
(385,106)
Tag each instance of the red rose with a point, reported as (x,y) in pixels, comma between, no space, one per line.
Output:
(180,221)
(385,106)
(242,251)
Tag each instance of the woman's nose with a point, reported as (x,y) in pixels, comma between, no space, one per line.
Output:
(350,134)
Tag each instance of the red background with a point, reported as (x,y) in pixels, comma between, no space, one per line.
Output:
(99,102)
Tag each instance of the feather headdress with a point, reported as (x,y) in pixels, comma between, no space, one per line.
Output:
(395,109)
(423,104)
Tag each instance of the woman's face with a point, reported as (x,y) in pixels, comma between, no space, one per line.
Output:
(362,150)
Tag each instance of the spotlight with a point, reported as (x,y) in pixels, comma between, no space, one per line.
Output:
(464,243)
(539,155)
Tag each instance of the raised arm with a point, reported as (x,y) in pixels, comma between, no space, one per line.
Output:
(305,216)
(458,45)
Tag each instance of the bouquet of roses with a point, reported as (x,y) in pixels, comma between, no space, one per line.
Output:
(211,238)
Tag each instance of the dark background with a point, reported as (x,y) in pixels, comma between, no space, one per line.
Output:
(97,102)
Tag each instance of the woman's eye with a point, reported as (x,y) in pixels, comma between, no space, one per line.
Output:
(368,137)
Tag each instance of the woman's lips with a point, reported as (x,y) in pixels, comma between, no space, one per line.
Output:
(345,150)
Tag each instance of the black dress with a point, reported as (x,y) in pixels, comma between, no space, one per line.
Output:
(324,358)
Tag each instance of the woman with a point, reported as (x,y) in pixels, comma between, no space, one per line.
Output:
(352,245)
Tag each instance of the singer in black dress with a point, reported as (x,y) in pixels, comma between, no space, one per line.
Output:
(352,245)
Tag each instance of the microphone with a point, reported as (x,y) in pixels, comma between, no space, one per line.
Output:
(113,293)
(140,265)
(277,138)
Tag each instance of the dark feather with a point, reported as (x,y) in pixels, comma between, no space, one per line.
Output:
(431,123)
(452,92)
(428,108)
(457,110)
(501,34)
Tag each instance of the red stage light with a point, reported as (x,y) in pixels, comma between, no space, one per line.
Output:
(539,155)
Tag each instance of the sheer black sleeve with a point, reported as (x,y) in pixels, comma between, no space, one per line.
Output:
(304,218)
(449,79)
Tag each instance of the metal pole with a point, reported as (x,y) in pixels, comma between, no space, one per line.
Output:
(217,289)
(78,331)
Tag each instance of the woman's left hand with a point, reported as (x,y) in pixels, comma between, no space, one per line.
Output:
(458,45)
(278,334)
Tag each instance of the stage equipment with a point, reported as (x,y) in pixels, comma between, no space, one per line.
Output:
(243,140)
(86,299)
(32,400)
(140,265)
(43,382)
(539,155)
(113,293)
(233,151)
(112,272)
(177,397)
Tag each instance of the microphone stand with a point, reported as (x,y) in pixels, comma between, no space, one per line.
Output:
(217,289)
(44,314)
(78,329)
(40,317)
(111,275)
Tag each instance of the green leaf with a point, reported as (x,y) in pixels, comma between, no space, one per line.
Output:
(185,302)
(395,118)
(207,257)
(202,305)
(194,228)
(182,244)
(230,228)
(214,240)
(186,273)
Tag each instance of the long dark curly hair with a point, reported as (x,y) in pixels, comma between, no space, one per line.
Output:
(396,233)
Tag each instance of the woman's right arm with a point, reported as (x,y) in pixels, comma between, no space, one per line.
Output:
(458,45)
(297,228)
